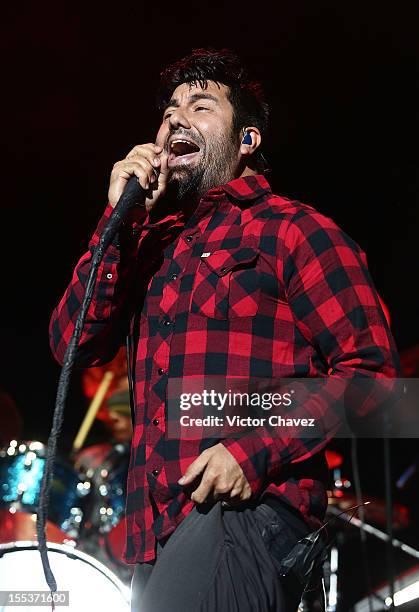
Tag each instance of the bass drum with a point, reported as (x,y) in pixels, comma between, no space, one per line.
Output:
(90,584)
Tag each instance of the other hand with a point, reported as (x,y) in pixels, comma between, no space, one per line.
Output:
(222,477)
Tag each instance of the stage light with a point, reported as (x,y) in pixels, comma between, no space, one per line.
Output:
(409,593)
(406,590)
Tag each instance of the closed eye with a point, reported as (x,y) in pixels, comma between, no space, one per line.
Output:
(197,108)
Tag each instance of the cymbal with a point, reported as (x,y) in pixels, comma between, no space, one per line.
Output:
(333,459)
(374,512)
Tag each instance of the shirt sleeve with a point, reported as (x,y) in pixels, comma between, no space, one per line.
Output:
(337,310)
(107,317)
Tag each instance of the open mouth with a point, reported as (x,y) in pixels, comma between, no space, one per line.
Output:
(181,151)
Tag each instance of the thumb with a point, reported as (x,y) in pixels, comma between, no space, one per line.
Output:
(164,169)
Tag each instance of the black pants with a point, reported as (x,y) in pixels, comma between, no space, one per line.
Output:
(220,559)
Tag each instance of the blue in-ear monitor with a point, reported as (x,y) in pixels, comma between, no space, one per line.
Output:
(247,139)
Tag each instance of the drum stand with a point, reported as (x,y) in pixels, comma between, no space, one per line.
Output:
(334,558)
(324,599)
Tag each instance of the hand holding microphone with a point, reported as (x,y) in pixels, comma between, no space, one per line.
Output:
(148,163)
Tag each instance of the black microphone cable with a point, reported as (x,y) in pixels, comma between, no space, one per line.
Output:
(132,195)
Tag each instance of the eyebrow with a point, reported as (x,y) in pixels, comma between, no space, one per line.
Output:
(194,98)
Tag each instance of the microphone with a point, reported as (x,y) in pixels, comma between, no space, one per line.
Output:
(132,195)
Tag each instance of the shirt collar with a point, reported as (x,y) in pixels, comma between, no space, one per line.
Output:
(242,190)
(250,187)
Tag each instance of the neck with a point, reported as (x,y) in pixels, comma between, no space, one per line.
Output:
(248,172)
(189,203)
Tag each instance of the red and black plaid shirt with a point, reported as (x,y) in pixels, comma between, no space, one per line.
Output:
(303,305)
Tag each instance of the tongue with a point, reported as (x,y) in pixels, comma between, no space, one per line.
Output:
(183,148)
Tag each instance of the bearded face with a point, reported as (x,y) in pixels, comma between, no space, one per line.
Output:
(198,137)
(210,165)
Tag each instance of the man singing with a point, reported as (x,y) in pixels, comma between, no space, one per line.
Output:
(214,275)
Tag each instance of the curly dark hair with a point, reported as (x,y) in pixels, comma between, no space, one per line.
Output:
(221,66)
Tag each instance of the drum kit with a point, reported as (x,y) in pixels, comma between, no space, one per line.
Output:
(341,505)
(85,527)
(341,498)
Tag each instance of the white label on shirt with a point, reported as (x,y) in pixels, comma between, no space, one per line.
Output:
(205,254)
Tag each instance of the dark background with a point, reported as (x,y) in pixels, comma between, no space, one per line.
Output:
(78,94)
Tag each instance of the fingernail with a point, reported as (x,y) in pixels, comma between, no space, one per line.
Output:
(156,161)
(182,480)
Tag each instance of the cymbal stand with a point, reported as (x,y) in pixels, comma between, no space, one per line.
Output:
(378,533)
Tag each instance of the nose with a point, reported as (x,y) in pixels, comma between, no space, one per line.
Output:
(178,119)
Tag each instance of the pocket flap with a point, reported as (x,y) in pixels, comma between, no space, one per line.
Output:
(224,260)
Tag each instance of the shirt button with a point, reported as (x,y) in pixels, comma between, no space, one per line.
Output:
(109,275)
(160,371)
(189,238)
(174,276)
(167,322)
(223,270)
(156,421)
(156,472)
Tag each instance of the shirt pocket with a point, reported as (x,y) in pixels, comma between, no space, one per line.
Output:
(227,283)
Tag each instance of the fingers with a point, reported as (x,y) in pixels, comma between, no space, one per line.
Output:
(143,161)
(239,492)
(145,149)
(213,488)
(216,486)
(149,152)
(222,477)
(139,167)
(161,174)
(201,494)
(195,469)
(162,159)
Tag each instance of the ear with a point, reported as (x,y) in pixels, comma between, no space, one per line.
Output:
(250,140)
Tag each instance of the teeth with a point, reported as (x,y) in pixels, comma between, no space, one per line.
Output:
(179,140)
